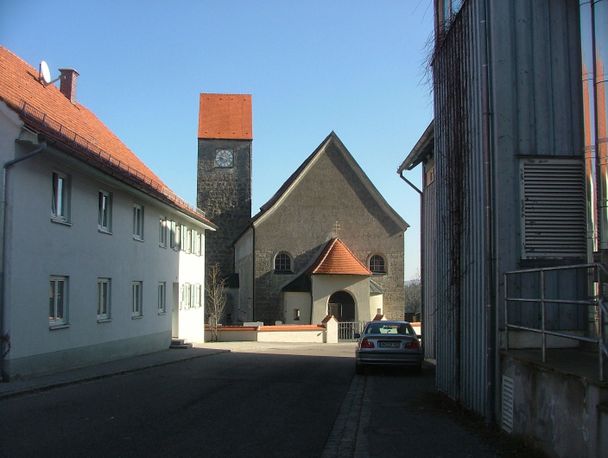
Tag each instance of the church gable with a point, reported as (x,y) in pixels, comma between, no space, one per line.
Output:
(329,170)
(329,196)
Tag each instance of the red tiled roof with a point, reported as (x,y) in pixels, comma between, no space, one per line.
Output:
(46,109)
(337,259)
(225,116)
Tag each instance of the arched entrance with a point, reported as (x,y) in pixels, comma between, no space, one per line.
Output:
(342,306)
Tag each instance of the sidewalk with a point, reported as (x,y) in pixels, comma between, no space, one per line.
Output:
(121,366)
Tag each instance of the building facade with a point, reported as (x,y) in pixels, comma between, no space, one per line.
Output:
(328,197)
(266,260)
(512,185)
(500,179)
(100,259)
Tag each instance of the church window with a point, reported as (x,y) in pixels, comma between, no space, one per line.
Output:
(282,263)
(296,314)
(377,264)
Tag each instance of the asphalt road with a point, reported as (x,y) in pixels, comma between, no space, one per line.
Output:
(231,404)
(271,401)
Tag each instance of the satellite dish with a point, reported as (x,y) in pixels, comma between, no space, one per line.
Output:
(44,73)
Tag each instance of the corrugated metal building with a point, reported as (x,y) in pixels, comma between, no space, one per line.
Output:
(503,173)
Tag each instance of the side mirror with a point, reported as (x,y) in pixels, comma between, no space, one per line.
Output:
(356,335)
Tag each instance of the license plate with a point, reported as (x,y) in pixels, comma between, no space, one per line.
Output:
(389,344)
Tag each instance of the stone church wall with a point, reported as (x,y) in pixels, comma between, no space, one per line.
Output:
(329,200)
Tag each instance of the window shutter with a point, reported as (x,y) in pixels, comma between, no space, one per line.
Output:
(553,208)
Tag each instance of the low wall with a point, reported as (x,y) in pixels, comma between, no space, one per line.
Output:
(279,333)
(234,334)
(560,412)
(291,333)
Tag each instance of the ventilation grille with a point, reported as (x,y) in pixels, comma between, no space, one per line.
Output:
(507,404)
(553,208)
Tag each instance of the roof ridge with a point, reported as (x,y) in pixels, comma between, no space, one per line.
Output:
(287,183)
(325,253)
(353,255)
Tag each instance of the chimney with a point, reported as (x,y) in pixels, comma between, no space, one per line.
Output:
(67,84)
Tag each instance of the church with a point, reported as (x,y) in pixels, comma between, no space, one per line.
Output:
(326,242)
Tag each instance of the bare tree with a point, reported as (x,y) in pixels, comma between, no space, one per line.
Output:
(413,295)
(216,300)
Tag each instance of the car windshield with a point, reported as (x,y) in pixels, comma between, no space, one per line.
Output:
(390,328)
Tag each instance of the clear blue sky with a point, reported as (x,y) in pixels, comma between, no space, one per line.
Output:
(353,66)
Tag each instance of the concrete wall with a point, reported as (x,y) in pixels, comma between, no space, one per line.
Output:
(282,333)
(300,301)
(245,334)
(376,302)
(313,336)
(323,286)
(39,248)
(305,220)
(559,412)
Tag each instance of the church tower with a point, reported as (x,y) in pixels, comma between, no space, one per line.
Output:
(224,172)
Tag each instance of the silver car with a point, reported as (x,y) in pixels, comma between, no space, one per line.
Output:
(388,343)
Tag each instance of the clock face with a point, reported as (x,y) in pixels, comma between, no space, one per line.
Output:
(223,158)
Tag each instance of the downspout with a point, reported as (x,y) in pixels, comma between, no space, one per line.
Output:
(4,337)
(422,241)
(253,275)
(490,280)
(592,168)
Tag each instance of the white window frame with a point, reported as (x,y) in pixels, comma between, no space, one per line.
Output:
(198,296)
(137,296)
(177,237)
(104,299)
(104,211)
(188,240)
(196,242)
(162,232)
(162,297)
(183,232)
(57,319)
(60,197)
(186,296)
(138,222)
(171,229)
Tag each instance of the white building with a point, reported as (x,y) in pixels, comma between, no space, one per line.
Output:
(100,260)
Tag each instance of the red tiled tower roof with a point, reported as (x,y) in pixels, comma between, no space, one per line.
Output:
(337,259)
(45,109)
(225,116)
